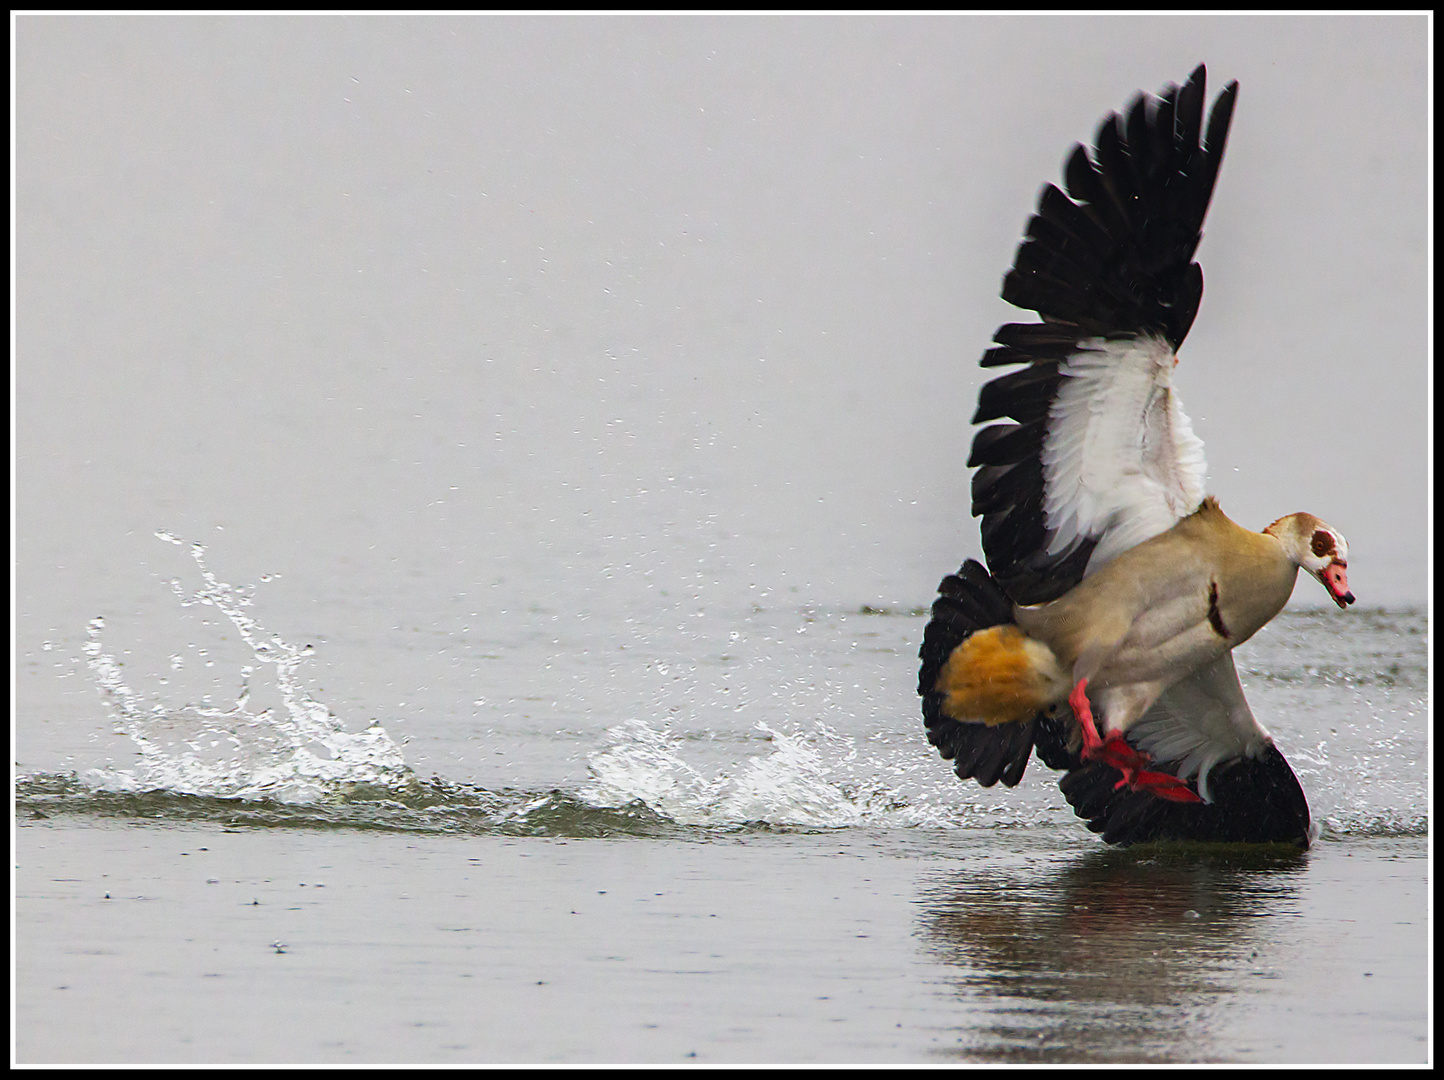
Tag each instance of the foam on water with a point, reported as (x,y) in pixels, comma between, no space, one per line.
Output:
(809,777)
(299,754)
(790,786)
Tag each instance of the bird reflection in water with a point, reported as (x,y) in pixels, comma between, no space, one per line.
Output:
(1114,956)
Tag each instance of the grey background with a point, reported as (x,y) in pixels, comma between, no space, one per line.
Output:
(437,316)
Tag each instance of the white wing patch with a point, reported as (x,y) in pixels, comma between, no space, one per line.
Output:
(1120,460)
(1200,721)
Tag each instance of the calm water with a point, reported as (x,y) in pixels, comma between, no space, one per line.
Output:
(712,833)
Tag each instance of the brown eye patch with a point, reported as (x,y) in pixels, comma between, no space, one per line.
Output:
(1323,543)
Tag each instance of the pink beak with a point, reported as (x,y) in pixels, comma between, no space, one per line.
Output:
(1336,579)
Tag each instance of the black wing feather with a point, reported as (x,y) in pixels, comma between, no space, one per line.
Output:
(1022,395)
(1255,801)
(1004,444)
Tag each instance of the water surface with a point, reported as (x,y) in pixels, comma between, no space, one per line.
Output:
(717,839)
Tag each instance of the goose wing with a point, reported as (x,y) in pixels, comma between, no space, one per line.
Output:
(1201,729)
(1100,455)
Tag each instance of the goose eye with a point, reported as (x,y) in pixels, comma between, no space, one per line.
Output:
(1323,543)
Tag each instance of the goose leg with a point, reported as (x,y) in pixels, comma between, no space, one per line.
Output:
(1116,752)
(1078,701)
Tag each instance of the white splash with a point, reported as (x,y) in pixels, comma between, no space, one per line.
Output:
(297,756)
(811,779)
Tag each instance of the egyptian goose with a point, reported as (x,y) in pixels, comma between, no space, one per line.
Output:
(1117,588)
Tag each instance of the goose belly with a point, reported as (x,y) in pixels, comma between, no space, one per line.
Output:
(1165,644)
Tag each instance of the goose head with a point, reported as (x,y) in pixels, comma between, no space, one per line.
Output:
(1320,549)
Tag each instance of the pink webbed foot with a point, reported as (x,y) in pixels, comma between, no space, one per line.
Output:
(1164,785)
(1116,752)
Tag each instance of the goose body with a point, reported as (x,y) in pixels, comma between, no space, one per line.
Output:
(1168,606)
(1116,589)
